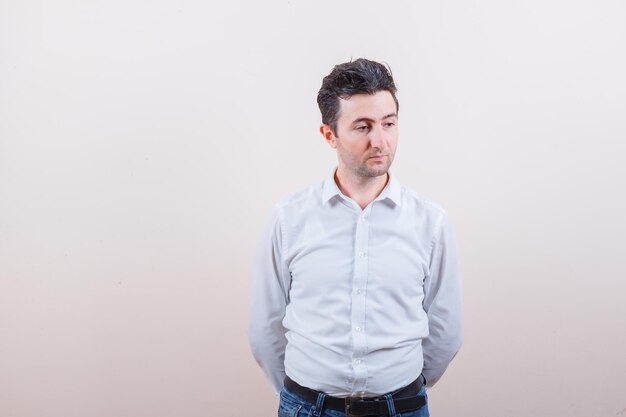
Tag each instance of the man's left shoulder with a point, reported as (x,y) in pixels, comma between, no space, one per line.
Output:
(417,202)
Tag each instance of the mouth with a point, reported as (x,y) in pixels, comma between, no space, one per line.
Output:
(377,157)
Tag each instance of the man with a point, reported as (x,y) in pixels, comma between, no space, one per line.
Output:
(356,298)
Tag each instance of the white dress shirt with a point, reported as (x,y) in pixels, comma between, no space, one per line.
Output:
(355,302)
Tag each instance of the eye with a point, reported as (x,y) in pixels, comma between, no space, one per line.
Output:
(389,124)
(362,128)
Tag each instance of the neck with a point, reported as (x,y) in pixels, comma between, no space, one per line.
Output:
(363,190)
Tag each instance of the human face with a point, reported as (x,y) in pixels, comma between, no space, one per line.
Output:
(366,136)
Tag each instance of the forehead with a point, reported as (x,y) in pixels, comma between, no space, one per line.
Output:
(371,106)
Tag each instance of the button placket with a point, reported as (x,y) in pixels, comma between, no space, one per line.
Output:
(361,241)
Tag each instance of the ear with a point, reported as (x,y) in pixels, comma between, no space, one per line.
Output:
(328,135)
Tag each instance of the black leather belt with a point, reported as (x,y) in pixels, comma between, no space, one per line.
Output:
(405,399)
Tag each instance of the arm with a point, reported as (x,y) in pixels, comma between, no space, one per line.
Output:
(442,303)
(268,300)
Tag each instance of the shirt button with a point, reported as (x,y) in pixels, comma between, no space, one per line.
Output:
(362,254)
(358,329)
(357,361)
(359,292)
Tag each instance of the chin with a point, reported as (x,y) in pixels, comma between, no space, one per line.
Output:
(372,173)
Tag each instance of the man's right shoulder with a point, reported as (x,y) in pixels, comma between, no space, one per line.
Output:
(309,197)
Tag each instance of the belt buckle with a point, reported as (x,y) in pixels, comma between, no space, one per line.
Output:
(346,402)
(348,405)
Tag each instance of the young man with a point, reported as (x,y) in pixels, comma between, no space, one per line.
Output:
(356,298)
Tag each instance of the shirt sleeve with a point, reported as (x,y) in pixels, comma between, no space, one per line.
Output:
(269,298)
(443,305)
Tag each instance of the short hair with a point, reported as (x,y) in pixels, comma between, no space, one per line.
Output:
(361,76)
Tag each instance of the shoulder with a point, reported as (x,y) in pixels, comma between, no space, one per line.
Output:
(299,204)
(414,201)
(311,195)
(428,217)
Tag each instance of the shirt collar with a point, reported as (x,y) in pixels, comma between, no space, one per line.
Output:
(391,192)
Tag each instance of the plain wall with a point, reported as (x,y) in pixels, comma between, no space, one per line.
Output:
(143,143)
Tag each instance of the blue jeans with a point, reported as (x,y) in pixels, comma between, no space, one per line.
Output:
(293,406)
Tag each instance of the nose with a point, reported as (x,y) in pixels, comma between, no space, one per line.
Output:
(378,137)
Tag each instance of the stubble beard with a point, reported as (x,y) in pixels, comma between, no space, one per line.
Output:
(365,171)
(360,167)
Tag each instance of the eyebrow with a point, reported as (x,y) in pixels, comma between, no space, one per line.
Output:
(367,119)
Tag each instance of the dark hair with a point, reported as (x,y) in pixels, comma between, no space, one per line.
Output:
(345,80)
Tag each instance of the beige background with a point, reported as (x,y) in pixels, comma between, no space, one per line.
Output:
(143,143)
